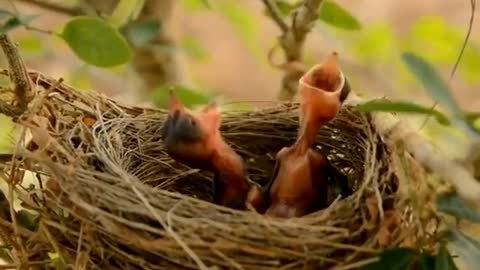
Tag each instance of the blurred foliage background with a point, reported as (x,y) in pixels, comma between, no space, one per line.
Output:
(217,49)
(220,49)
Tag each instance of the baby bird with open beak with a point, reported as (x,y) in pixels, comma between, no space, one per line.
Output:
(195,140)
(298,185)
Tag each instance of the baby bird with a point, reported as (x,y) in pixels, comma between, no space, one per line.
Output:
(298,185)
(195,141)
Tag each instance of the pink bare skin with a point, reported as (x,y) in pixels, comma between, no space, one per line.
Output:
(299,180)
(195,140)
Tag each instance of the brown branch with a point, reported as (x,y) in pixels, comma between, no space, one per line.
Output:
(275,14)
(18,72)
(56,7)
(399,132)
(292,42)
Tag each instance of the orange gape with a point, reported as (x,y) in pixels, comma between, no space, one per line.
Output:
(298,185)
(195,141)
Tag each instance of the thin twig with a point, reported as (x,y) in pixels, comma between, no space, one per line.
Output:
(292,41)
(18,72)
(473,5)
(275,14)
(57,7)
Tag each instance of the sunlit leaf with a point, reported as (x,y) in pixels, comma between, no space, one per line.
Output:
(27,219)
(237,106)
(453,204)
(333,14)
(285,7)
(393,259)
(375,43)
(436,39)
(194,48)
(96,42)
(79,78)
(141,33)
(443,260)
(53,255)
(243,23)
(468,67)
(206,3)
(194,5)
(473,118)
(30,44)
(402,107)
(466,248)
(439,42)
(188,96)
(59,264)
(125,11)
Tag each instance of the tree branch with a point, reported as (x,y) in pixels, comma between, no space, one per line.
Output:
(275,14)
(292,42)
(73,11)
(18,72)
(424,153)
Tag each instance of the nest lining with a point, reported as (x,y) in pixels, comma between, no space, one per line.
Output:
(132,207)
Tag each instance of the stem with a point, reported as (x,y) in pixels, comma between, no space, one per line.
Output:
(18,73)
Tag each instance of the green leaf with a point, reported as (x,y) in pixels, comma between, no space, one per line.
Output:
(9,25)
(393,259)
(141,33)
(14,21)
(96,42)
(434,38)
(376,43)
(466,248)
(194,48)
(472,117)
(6,14)
(206,3)
(53,255)
(285,7)
(27,219)
(194,5)
(403,107)
(443,260)
(425,262)
(439,41)
(437,89)
(453,204)
(189,97)
(333,14)
(244,24)
(31,44)
(125,11)
(433,84)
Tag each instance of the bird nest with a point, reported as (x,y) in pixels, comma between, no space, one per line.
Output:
(111,198)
